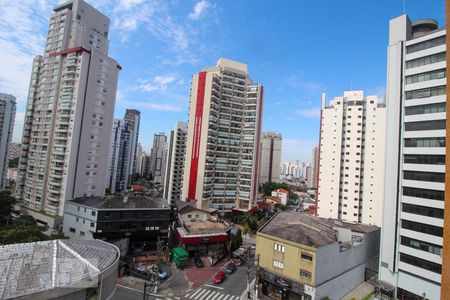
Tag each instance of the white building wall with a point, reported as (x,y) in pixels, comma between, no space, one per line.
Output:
(70,114)
(401,274)
(352,149)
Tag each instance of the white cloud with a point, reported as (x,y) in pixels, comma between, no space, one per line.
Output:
(199,8)
(159,83)
(308,113)
(153,106)
(20,41)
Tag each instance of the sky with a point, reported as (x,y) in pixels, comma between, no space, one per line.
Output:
(296,49)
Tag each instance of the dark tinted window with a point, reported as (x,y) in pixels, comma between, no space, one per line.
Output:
(423,210)
(424,176)
(424,159)
(424,228)
(421,263)
(425,125)
(425,109)
(422,193)
(425,142)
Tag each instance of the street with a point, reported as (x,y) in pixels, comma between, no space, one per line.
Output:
(231,289)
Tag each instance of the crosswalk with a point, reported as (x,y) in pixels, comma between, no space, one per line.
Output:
(206,294)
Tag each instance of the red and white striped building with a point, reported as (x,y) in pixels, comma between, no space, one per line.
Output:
(224,131)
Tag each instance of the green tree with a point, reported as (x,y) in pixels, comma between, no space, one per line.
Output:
(268,187)
(236,240)
(21,234)
(13,163)
(6,207)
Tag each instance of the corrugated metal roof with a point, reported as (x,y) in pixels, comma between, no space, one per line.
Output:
(35,267)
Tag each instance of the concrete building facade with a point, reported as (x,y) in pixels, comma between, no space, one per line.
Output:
(7,116)
(69,113)
(309,258)
(270,157)
(412,247)
(224,132)
(352,154)
(119,162)
(176,152)
(313,176)
(132,120)
(158,157)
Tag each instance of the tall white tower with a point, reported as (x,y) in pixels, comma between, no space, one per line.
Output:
(352,153)
(69,113)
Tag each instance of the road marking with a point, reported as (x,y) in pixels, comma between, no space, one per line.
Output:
(213,286)
(221,296)
(194,294)
(213,295)
(196,297)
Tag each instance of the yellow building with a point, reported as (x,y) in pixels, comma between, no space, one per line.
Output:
(306,257)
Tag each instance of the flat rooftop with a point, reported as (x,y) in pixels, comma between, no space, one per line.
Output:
(309,230)
(202,227)
(31,268)
(118,202)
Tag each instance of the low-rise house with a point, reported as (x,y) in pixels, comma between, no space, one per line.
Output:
(201,231)
(282,194)
(307,257)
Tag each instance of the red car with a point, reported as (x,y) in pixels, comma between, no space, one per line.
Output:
(219,278)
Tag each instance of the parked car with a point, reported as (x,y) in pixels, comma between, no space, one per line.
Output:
(237,261)
(162,274)
(230,268)
(198,262)
(219,278)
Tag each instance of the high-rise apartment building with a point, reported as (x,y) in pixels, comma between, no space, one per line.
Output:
(158,157)
(414,243)
(119,157)
(351,166)
(222,151)
(173,181)
(270,157)
(139,155)
(313,176)
(69,113)
(7,115)
(132,120)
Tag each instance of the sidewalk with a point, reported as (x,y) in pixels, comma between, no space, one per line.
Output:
(359,292)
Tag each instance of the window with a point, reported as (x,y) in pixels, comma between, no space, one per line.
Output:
(425,93)
(72,230)
(92,224)
(432,75)
(425,125)
(425,142)
(189,216)
(93,213)
(278,247)
(307,256)
(306,274)
(424,176)
(425,109)
(424,228)
(422,193)
(278,264)
(421,245)
(82,233)
(421,263)
(424,159)
(423,210)
(427,60)
(426,45)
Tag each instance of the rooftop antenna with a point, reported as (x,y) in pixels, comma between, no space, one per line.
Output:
(404,6)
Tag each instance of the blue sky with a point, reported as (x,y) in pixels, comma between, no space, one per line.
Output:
(296,49)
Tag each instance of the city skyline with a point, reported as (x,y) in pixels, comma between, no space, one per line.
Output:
(184,36)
